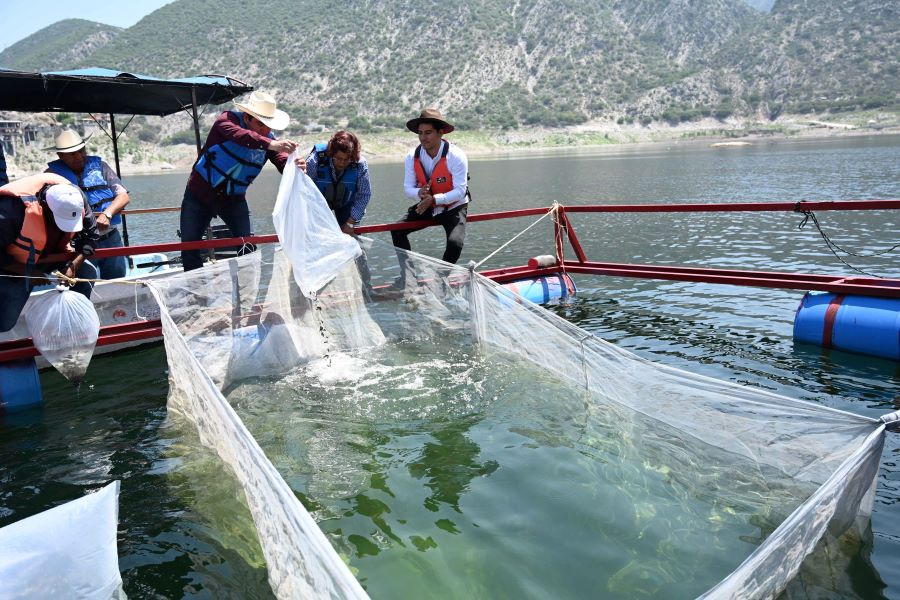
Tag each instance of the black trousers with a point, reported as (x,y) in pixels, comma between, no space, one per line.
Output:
(453,222)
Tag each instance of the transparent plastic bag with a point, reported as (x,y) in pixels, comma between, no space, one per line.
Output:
(64,326)
(66,552)
(308,232)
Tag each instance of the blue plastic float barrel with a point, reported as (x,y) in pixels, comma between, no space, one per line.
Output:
(863,324)
(20,386)
(543,289)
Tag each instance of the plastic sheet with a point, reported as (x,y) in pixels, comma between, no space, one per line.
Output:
(308,231)
(64,326)
(66,552)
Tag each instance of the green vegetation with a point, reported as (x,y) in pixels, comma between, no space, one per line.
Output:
(370,67)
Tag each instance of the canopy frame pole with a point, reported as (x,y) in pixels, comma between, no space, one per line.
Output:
(196,118)
(115,142)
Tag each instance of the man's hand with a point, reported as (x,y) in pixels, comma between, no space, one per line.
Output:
(282,146)
(424,204)
(348,229)
(65,275)
(301,163)
(102,222)
(426,199)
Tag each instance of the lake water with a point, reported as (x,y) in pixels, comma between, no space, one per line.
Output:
(116,426)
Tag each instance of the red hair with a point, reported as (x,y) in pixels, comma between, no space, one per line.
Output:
(344,141)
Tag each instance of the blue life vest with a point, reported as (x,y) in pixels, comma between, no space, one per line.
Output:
(341,193)
(98,191)
(231,165)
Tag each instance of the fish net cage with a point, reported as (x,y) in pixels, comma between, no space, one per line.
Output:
(450,439)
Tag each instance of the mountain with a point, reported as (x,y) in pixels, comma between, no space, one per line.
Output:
(65,42)
(819,55)
(504,64)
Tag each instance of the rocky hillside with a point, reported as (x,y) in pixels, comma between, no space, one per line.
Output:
(504,64)
(813,56)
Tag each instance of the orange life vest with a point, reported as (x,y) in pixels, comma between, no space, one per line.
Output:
(31,244)
(441,180)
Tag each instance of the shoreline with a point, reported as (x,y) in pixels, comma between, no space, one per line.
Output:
(392,147)
(512,151)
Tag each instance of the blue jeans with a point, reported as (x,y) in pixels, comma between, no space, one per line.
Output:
(196,217)
(14,292)
(114,266)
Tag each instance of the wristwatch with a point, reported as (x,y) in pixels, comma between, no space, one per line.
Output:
(107,215)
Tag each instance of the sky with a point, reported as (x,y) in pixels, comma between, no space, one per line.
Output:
(21,18)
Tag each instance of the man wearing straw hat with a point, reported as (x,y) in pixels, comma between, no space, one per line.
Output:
(436,178)
(41,217)
(238,145)
(106,195)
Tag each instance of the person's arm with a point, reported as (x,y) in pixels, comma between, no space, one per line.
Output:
(312,165)
(89,234)
(119,202)
(458,164)
(410,186)
(363,194)
(84,243)
(277,158)
(9,231)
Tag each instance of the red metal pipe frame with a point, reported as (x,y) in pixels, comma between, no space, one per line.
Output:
(886,288)
(890,288)
(526,212)
(109,335)
(801,205)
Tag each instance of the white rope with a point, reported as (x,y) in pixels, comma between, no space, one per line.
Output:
(553,210)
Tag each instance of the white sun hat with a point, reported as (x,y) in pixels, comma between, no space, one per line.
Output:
(262,106)
(67,204)
(69,141)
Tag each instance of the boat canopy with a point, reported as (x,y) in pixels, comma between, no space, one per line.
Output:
(97,90)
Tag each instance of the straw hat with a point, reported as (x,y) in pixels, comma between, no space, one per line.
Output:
(262,106)
(67,204)
(69,141)
(431,115)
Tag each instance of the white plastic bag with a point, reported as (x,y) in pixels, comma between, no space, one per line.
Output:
(64,326)
(66,552)
(308,231)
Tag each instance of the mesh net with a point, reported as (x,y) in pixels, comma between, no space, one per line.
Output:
(446,435)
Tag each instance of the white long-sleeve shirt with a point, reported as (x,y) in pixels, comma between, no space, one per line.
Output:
(458,165)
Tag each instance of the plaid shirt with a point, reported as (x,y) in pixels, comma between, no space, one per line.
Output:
(363,186)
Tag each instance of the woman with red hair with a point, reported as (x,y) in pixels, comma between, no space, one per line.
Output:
(342,176)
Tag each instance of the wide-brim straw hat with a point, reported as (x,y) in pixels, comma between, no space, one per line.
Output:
(430,115)
(263,107)
(69,141)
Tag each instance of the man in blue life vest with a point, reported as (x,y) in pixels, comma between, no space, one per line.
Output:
(436,177)
(238,145)
(106,195)
(41,217)
(342,175)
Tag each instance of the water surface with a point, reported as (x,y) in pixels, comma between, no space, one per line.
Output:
(116,426)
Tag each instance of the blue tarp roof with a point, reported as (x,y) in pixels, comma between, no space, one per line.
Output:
(97,90)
